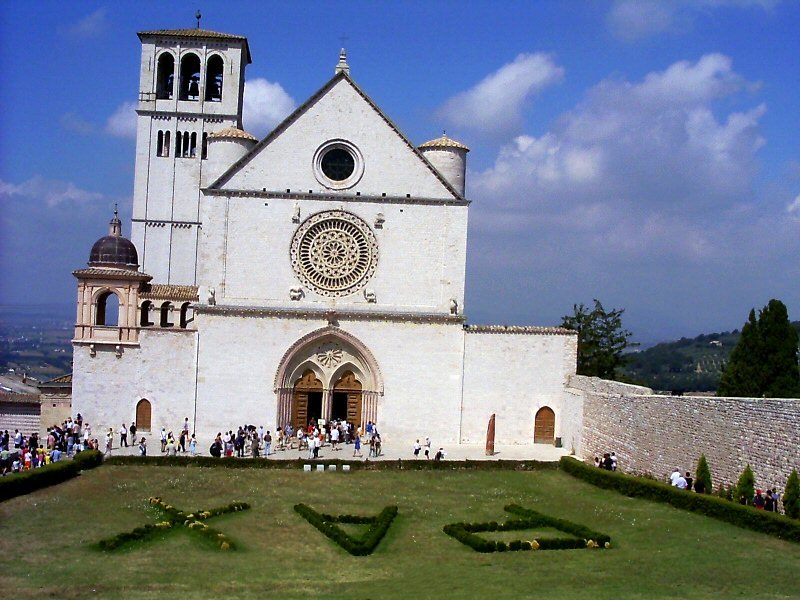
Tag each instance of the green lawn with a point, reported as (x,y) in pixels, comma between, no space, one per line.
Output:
(47,538)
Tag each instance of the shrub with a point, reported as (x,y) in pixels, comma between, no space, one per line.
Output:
(584,537)
(702,480)
(26,482)
(366,544)
(711,506)
(791,496)
(745,487)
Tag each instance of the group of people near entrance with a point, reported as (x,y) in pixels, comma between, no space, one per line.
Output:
(19,452)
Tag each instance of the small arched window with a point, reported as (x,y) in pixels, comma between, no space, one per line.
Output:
(204,151)
(144,319)
(166,315)
(186,317)
(190,77)
(185,149)
(193,145)
(160,144)
(214,69)
(165,79)
(107,309)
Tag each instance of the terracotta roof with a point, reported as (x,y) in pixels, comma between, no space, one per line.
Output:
(530,330)
(444,142)
(199,34)
(111,273)
(185,293)
(21,398)
(233,132)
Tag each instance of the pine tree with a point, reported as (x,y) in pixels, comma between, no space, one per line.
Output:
(791,496)
(702,480)
(601,339)
(746,486)
(765,360)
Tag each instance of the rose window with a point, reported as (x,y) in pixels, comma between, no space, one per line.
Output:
(334,253)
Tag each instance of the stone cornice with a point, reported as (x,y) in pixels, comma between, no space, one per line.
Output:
(326,314)
(328,197)
(519,329)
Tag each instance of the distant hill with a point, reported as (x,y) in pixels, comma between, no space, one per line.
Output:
(687,365)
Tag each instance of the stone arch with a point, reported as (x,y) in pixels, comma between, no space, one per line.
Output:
(108,307)
(348,353)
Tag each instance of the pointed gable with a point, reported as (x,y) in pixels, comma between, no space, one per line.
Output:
(339,113)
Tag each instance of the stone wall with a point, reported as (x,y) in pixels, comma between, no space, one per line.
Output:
(654,434)
(19,411)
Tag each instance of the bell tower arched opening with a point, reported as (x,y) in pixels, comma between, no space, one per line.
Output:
(214,69)
(107,309)
(190,77)
(165,79)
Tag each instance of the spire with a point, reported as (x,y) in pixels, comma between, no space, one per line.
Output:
(342,65)
(115,225)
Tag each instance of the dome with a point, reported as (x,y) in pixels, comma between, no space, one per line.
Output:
(113,250)
(444,142)
(232,133)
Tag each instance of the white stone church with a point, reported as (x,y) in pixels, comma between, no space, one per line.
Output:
(316,273)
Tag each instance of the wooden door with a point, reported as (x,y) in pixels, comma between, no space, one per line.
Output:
(351,386)
(544,428)
(306,384)
(143,412)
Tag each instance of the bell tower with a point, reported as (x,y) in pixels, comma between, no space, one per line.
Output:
(191,85)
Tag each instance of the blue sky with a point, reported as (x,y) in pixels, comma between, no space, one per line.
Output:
(643,153)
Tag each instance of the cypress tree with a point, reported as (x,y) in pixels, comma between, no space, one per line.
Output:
(702,480)
(765,360)
(746,486)
(791,496)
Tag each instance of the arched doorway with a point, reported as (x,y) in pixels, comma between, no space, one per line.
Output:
(544,427)
(346,401)
(143,415)
(307,402)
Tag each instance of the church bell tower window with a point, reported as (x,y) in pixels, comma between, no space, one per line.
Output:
(165,79)
(190,77)
(214,69)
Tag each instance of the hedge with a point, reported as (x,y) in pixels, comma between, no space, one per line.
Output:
(581,536)
(26,482)
(355,464)
(175,519)
(357,546)
(711,506)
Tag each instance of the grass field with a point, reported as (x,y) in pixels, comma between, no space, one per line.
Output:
(47,540)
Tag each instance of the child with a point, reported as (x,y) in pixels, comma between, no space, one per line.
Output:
(417,448)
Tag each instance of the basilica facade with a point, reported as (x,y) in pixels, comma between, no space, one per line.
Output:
(316,273)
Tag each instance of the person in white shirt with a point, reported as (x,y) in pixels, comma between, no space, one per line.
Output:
(673,479)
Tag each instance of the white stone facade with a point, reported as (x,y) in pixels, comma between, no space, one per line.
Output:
(330,255)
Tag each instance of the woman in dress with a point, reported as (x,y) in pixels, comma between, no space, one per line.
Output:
(357,448)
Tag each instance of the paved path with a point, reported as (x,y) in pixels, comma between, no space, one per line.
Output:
(543,452)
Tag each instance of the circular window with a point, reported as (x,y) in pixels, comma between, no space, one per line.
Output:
(334,253)
(338,164)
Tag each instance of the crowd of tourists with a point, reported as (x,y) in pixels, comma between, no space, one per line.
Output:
(19,452)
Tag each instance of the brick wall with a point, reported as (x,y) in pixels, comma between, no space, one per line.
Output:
(654,434)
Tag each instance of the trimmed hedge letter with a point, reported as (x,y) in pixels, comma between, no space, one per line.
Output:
(357,546)
(579,536)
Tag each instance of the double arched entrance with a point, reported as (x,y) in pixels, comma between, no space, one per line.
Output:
(327,374)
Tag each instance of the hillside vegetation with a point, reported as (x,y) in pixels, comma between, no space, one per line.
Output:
(687,365)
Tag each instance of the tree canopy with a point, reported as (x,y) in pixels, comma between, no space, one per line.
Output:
(765,361)
(601,339)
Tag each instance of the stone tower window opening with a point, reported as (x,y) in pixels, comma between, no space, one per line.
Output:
(186,316)
(190,77)
(204,148)
(165,76)
(144,317)
(166,314)
(214,70)
(107,309)
(162,147)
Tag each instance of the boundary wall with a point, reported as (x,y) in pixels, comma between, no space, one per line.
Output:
(653,434)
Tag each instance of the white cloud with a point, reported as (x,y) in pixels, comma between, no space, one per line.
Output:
(794,207)
(72,122)
(123,122)
(51,192)
(89,26)
(265,105)
(637,169)
(632,20)
(495,104)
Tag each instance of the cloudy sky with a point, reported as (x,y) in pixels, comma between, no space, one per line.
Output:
(644,153)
